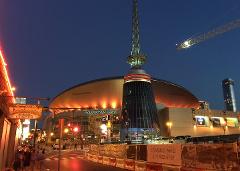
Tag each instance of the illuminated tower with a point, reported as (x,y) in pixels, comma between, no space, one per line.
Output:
(229,96)
(138,106)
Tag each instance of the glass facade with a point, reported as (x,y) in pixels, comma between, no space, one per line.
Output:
(139,107)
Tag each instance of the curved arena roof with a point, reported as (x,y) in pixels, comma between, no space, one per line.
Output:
(107,92)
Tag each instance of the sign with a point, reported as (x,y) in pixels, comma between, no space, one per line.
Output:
(104,111)
(164,153)
(218,121)
(232,122)
(25,111)
(202,120)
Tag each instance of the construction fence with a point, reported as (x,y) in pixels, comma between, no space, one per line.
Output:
(168,157)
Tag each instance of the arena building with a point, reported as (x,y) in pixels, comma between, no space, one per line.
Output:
(90,105)
(94,107)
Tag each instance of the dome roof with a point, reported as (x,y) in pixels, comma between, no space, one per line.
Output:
(107,92)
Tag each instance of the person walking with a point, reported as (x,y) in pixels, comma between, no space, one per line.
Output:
(21,159)
(33,160)
(16,163)
(75,146)
(27,159)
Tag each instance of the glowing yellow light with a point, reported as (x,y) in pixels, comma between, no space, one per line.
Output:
(51,133)
(13,88)
(114,105)
(109,124)
(104,105)
(169,124)
(194,126)
(66,130)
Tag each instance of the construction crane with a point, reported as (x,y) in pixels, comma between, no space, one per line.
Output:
(211,34)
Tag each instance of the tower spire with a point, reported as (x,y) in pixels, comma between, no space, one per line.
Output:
(136,59)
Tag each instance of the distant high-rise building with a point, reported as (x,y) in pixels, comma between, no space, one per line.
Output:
(228,94)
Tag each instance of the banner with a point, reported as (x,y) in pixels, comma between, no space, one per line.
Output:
(120,163)
(216,156)
(210,156)
(113,150)
(164,153)
(189,156)
(94,149)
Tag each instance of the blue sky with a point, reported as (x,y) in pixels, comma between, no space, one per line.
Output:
(53,45)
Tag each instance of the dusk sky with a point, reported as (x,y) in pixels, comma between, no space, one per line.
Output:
(52,45)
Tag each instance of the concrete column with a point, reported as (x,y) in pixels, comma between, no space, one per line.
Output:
(4,139)
(12,145)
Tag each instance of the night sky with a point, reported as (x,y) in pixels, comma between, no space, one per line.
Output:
(52,45)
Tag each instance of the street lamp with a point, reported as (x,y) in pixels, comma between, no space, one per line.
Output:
(51,134)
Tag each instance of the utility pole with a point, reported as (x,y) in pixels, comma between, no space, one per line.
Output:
(35,128)
(61,124)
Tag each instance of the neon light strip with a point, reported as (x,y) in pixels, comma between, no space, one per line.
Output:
(5,72)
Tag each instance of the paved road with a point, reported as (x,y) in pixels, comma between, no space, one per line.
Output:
(73,161)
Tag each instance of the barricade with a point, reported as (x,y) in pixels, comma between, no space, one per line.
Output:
(194,169)
(130,164)
(112,161)
(85,153)
(170,168)
(100,159)
(140,165)
(94,158)
(90,157)
(120,163)
(153,167)
(86,156)
(105,160)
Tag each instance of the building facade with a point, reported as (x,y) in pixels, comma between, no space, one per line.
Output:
(9,129)
(198,122)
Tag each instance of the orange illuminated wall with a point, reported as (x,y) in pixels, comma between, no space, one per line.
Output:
(6,93)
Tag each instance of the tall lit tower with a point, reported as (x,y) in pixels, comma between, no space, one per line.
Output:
(138,106)
(228,94)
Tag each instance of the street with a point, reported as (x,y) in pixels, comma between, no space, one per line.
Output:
(73,161)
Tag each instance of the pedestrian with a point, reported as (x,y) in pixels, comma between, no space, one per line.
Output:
(33,160)
(27,159)
(75,146)
(21,159)
(81,143)
(40,158)
(16,163)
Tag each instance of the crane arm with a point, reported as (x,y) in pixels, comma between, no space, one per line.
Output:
(202,37)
